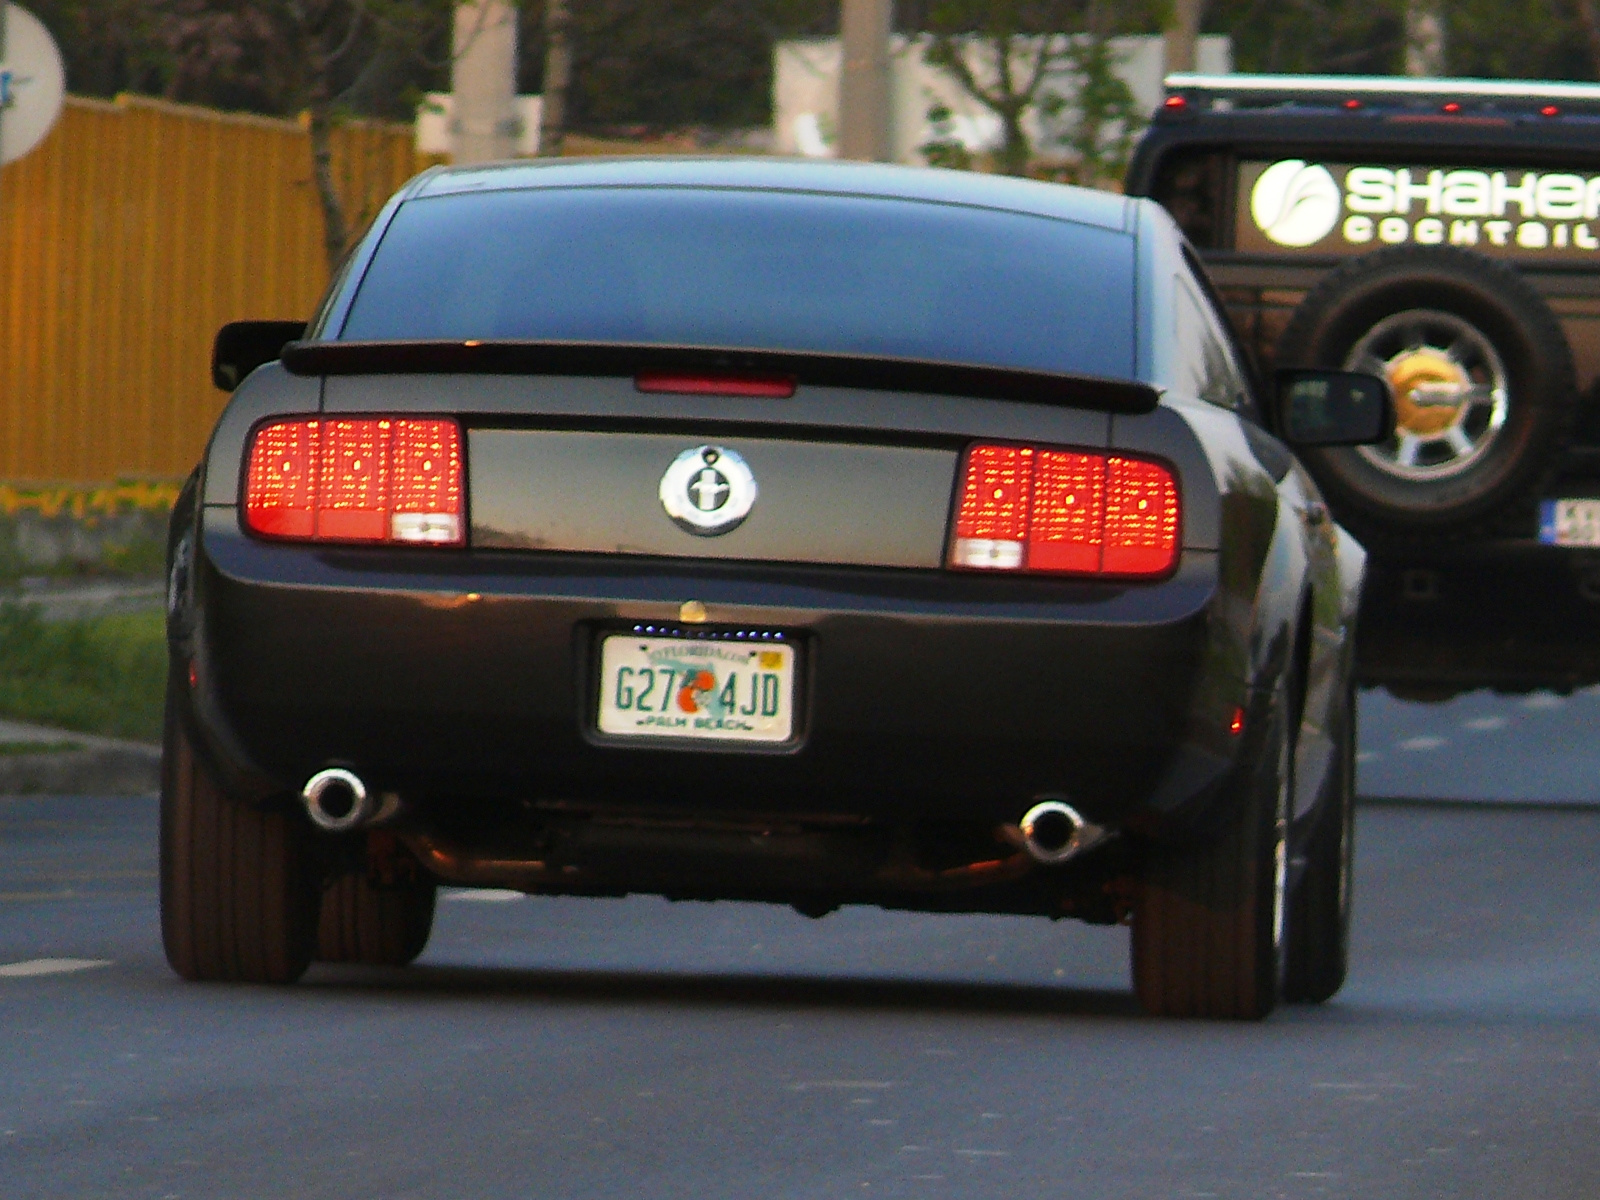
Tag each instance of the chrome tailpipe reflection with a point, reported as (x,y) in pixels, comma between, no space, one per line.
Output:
(337,800)
(1053,832)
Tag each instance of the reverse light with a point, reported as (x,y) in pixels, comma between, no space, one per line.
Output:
(1066,512)
(366,479)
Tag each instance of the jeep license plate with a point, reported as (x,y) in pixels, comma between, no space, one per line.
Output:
(698,690)
(1570,522)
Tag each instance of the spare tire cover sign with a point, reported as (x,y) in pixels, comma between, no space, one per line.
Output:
(1347,208)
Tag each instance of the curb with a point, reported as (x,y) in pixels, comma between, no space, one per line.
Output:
(117,769)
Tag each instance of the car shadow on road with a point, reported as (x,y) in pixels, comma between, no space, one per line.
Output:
(719,990)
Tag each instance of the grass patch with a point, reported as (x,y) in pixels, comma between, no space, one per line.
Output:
(104,675)
(14,749)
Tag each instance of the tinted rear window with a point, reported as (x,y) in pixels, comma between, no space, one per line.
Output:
(763,270)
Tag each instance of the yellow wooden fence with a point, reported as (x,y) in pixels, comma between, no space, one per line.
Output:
(133,232)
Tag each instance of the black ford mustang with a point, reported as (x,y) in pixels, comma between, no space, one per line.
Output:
(812,533)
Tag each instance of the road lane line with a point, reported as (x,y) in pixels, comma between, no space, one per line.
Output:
(485,895)
(1422,743)
(33,967)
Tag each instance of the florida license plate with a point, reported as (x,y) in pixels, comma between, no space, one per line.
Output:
(1570,522)
(709,690)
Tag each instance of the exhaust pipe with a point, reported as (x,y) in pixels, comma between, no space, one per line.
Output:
(1053,831)
(336,800)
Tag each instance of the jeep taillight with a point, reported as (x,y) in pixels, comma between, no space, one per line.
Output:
(362,479)
(1065,512)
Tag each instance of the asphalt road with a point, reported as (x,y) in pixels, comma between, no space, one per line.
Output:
(634,1048)
(1540,747)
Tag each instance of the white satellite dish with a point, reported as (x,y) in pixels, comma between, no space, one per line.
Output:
(33,82)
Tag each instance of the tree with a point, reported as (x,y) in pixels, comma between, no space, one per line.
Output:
(323,58)
(652,66)
(1009,55)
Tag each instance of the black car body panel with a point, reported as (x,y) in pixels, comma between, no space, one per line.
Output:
(933,705)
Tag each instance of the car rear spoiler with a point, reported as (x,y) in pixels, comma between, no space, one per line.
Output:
(823,370)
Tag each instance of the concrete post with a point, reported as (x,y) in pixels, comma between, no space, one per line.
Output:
(483,82)
(1181,35)
(864,80)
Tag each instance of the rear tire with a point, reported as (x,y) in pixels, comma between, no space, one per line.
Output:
(381,925)
(238,898)
(1208,923)
(1318,955)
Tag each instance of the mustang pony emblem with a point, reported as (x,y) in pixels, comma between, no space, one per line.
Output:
(708,490)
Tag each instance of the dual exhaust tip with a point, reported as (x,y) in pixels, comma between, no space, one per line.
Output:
(1053,832)
(338,800)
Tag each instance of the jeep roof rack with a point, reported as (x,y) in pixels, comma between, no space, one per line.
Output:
(1255,91)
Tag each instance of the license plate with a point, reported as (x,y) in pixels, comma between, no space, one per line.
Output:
(697,690)
(1569,522)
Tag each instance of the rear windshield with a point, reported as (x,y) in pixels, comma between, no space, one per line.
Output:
(756,270)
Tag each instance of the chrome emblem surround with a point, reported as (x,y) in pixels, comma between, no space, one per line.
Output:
(708,491)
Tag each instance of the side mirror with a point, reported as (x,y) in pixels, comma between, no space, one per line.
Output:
(1333,408)
(242,346)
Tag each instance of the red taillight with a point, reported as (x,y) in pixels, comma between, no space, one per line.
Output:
(1450,106)
(770,387)
(1175,103)
(1031,508)
(364,479)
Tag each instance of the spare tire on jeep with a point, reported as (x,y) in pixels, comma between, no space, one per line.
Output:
(1483,385)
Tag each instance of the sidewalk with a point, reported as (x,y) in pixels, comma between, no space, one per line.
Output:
(73,599)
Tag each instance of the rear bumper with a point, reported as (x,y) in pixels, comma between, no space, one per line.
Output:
(464,682)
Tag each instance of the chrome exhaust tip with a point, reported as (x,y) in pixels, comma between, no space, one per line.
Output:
(1053,831)
(337,800)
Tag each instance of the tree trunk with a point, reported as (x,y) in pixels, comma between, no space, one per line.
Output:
(557,78)
(335,233)
(1425,46)
(1016,152)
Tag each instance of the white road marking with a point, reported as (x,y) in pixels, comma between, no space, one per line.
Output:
(1486,723)
(1422,743)
(1367,755)
(484,895)
(842,1085)
(50,966)
(1544,701)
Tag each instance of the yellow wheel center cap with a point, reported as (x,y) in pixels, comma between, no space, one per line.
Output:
(1428,390)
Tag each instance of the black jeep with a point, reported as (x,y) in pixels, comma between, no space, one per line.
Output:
(1444,233)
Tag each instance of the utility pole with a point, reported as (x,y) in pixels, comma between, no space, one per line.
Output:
(483,82)
(864,79)
(557,78)
(1181,35)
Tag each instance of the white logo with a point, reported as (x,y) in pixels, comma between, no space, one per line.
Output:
(1295,203)
(708,490)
